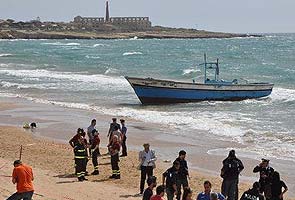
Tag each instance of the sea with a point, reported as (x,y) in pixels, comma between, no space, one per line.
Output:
(89,75)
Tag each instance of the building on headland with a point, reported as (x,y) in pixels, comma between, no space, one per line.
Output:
(113,23)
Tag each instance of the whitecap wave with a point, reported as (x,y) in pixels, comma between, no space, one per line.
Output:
(92,57)
(42,86)
(102,80)
(61,44)
(190,71)
(5,55)
(111,71)
(282,94)
(100,45)
(132,53)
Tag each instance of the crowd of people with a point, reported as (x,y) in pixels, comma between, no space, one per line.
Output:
(174,181)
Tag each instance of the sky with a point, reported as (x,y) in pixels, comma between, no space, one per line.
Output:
(236,16)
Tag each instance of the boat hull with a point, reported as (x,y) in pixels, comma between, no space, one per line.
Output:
(151,91)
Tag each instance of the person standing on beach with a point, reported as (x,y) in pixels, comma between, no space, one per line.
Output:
(160,192)
(80,159)
(114,151)
(95,151)
(232,167)
(207,192)
(266,173)
(253,194)
(148,193)
(124,138)
(147,164)
(23,177)
(276,187)
(74,140)
(183,173)
(171,176)
(112,128)
(90,134)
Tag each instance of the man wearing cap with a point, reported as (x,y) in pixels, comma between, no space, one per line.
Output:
(112,128)
(124,138)
(147,164)
(22,176)
(265,179)
(232,167)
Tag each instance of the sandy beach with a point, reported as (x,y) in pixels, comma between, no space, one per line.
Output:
(45,149)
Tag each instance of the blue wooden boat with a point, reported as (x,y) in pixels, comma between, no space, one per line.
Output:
(155,91)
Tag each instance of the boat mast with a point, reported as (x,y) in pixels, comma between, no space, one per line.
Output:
(205,67)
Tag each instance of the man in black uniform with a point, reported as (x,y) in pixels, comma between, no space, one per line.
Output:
(80,159)
(183,173)
(172,177)
(253,194)
(266,173)
(112,127)
(152,183)
(232,167)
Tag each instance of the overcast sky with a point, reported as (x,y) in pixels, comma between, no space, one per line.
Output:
(245,16)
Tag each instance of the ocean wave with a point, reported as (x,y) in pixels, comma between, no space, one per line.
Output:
(111,71)
(61,44)
(102,80)
(5,84)
(6,55)
(132,53)
(100,45)
(190,71)
(92,57)
(283,94)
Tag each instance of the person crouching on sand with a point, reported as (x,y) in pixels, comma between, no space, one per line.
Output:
(114,151)
(22,176)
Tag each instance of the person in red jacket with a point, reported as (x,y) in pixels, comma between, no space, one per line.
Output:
(114,151)
(23,177)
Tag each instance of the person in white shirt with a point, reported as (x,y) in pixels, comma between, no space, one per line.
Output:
(147,164)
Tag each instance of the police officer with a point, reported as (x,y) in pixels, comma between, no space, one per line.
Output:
(266,173)
(124,137)
(232,167)
(80,159)
(171,176)
(253,194)
(95,151)
(183,173)
(112,128)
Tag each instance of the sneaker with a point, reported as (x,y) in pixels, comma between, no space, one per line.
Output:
(85,179)
(95,172)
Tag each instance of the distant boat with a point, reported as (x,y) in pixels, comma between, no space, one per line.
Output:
(155,91)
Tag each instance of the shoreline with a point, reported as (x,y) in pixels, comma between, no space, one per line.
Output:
(53,129)
(152,34)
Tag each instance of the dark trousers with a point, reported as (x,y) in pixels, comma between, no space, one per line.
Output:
(115,165)
(229,189)
(23,195)
(146,171)
(181,182)
(80,167)
(94,156)
(124,147)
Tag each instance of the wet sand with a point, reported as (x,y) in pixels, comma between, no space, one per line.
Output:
(59,124)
